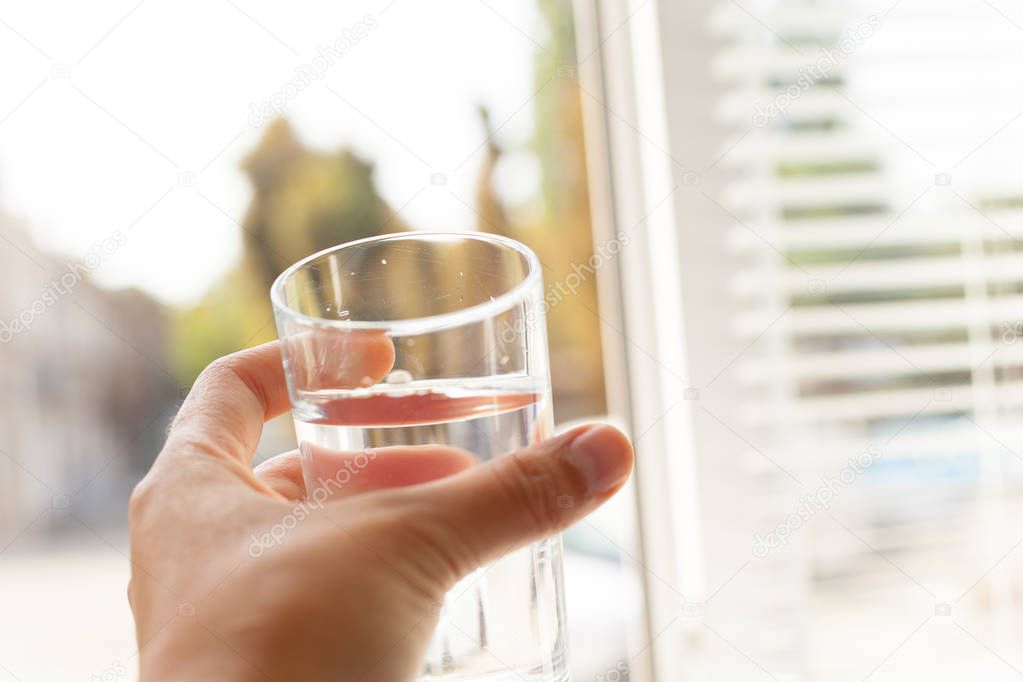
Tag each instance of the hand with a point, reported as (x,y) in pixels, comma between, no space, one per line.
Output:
(350,591)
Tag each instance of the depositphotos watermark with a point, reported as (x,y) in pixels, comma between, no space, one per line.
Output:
(75,272)
(1012,331)
(618,673)
(114,672)
(313,70)
(817,501)
(565,287)
(302,510)
(811,74)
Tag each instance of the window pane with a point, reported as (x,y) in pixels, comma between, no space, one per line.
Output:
(161,164)
(849,249)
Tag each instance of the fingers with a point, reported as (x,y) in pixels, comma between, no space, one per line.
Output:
(525,496)
(343,474)
(283,474)
(225,410)
(336,358)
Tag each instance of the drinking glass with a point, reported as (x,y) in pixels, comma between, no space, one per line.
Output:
(425,338)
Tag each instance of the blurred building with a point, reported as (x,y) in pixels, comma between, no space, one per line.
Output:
(86,390)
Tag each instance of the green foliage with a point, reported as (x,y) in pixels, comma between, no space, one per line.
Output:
(305,201)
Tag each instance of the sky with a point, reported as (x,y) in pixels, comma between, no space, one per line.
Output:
(133,116)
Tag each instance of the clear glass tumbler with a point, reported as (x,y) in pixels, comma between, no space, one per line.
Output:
(424,338)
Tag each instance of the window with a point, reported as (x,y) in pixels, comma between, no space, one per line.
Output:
(820,325)
(168,162)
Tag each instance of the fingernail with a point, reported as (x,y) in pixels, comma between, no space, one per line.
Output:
(603,456)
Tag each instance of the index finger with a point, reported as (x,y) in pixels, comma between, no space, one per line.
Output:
(232,398)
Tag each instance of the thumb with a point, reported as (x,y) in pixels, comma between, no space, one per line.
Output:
(490,510)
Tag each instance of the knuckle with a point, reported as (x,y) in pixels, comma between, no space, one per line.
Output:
(230,370)
(218,367)
(225,363)
(534,486)
(140,499)
(220,370)
(444,554)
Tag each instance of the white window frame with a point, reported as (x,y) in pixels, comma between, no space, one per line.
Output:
(631,183)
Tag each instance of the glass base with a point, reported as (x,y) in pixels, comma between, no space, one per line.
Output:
(552,669)
(522,675)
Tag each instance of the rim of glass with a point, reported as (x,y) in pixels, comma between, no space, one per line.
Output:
(456,318)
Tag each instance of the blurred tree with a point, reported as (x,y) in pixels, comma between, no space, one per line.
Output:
(303,201)
(561,236)
(493,217)
(565,238)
